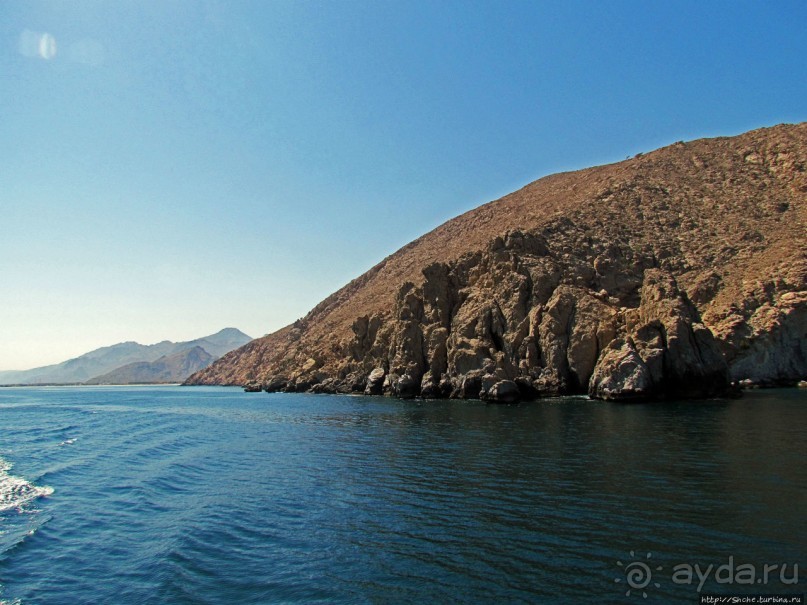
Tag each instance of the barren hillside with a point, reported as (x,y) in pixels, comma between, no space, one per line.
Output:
(668,274)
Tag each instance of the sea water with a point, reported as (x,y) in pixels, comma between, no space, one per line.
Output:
(211,495)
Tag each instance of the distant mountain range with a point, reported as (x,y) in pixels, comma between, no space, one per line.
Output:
(131,362)
(168,368)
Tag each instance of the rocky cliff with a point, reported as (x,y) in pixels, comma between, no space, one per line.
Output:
(670,274)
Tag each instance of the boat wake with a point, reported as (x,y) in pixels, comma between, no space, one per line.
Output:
(16,491)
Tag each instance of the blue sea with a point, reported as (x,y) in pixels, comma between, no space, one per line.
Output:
(201,495)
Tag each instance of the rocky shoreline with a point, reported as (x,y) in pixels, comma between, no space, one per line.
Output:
(659,350)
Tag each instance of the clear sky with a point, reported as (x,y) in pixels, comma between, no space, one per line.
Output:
(169,168)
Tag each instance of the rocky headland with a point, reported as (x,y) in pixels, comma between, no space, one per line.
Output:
(673,274)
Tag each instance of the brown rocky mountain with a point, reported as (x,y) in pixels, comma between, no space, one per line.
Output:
(669,274)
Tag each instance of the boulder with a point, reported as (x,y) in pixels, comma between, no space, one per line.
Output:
(406,387)
(275,384)
(429,387)
(621,374)
(354,382)
(329,386)
(504,391)
(375,382)
(468,386)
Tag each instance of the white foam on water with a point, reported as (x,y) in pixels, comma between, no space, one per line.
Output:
(16,491)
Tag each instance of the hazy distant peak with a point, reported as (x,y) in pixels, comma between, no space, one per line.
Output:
(166,369)
(104,360)
(230,333)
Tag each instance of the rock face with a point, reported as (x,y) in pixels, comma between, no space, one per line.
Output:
(668,275)
(621,374)
(668,352)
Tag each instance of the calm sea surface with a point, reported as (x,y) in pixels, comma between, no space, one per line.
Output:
(210,495)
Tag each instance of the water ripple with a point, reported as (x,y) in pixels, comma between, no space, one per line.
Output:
(208,496)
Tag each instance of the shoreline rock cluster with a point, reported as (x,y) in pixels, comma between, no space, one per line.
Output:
(448,342)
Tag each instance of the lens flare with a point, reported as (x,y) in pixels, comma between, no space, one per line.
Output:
(47,46)
(37,45)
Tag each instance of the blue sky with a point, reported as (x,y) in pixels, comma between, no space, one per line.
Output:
(171,168)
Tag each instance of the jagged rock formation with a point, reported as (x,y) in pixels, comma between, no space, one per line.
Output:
(667,275)
(667,349)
